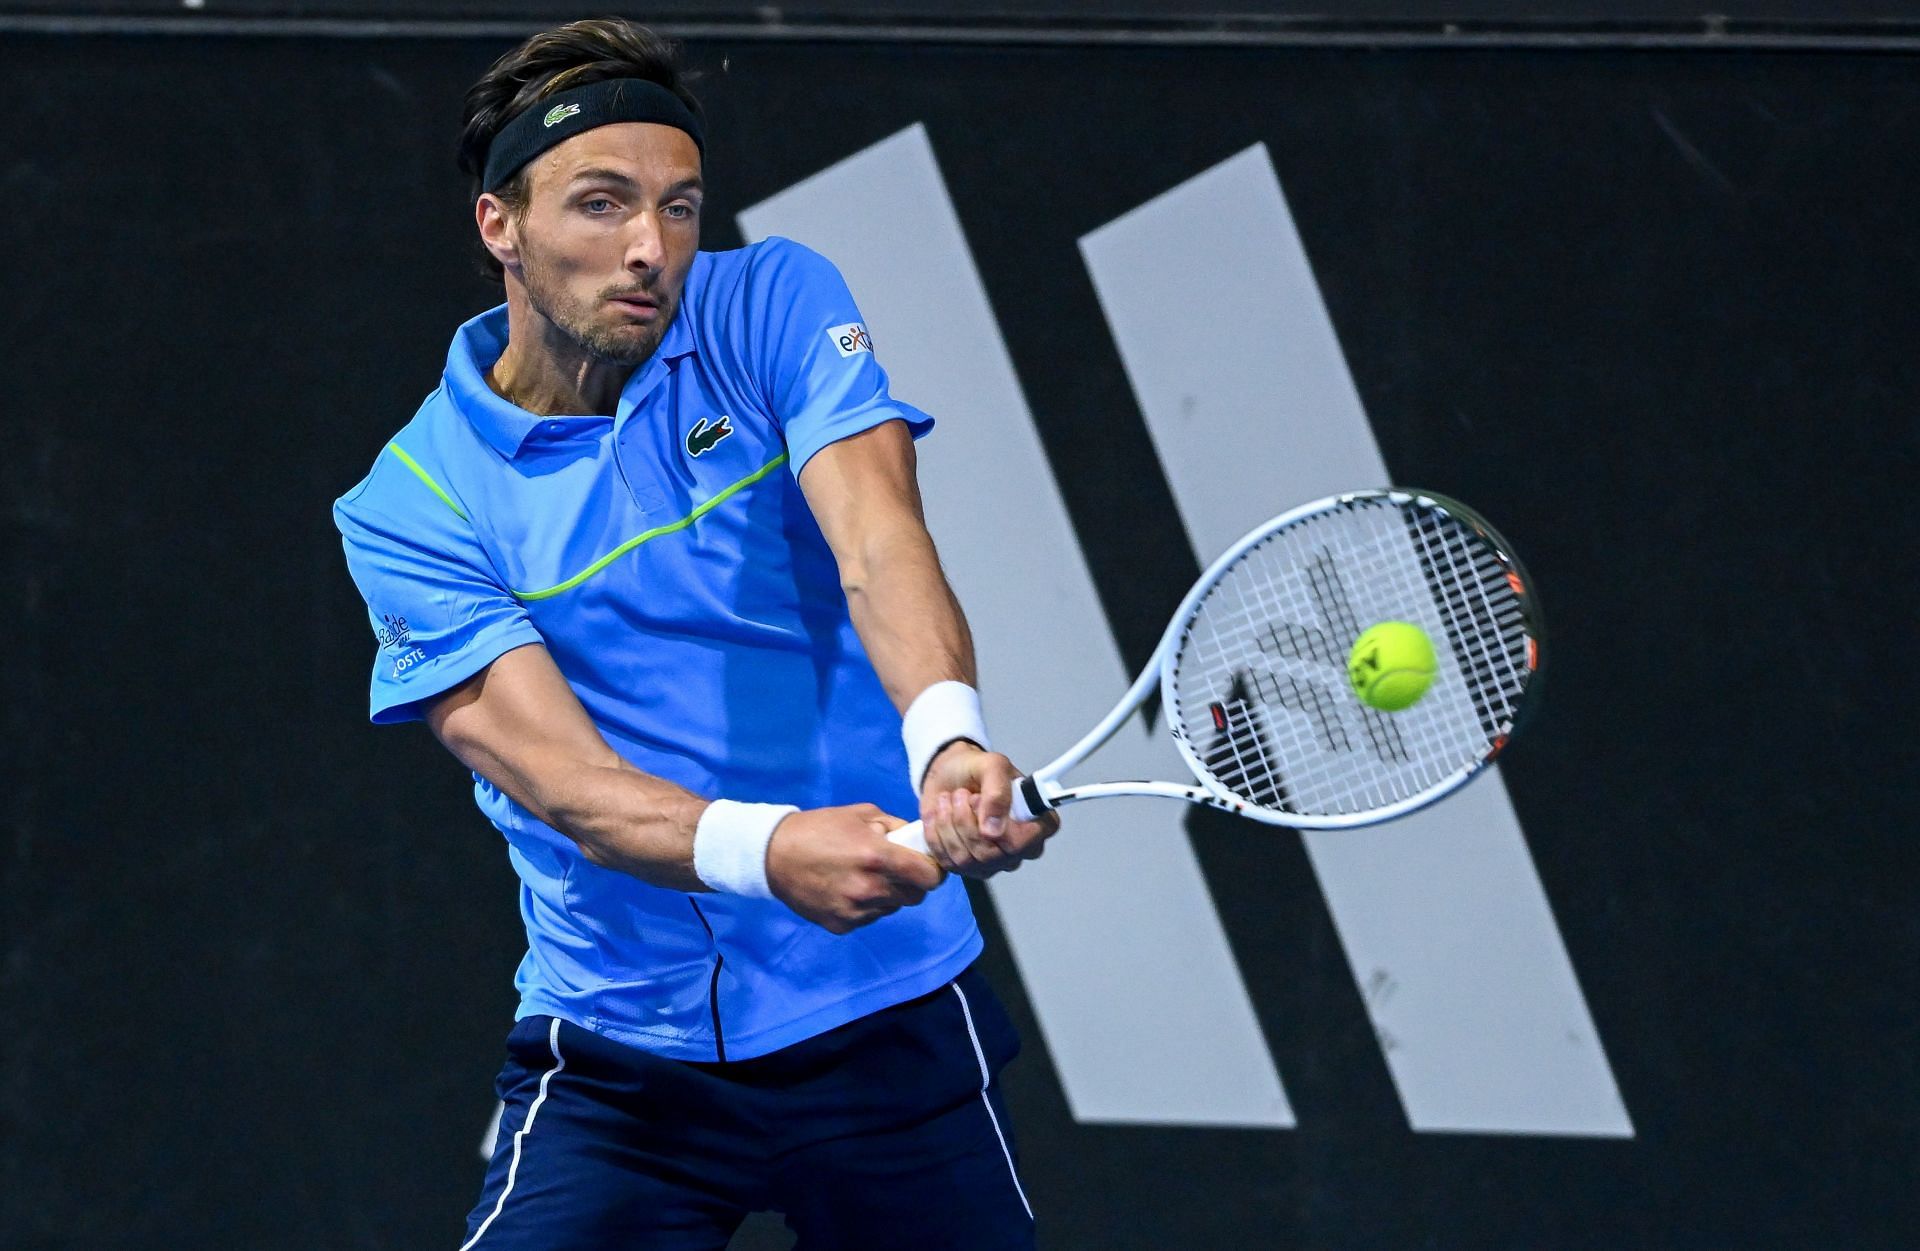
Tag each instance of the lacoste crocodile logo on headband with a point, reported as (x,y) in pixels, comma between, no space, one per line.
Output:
(560,113)
(702,438)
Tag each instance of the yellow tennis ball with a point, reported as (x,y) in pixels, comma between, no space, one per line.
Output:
(1391,665)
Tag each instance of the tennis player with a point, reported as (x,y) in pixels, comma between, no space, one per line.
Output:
(650,562)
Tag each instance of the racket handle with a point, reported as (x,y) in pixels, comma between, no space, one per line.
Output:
(913,835)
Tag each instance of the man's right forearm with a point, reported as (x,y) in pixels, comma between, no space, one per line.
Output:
(626,820)
(836,867)
(518,725)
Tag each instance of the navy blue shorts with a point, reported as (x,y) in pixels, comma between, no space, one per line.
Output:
(886,1132)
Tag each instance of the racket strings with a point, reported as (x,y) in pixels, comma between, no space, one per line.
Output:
(1260,596)
(1462,575)
(1240,757)
(1259,686)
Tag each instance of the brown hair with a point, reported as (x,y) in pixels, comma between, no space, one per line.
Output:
(572,55)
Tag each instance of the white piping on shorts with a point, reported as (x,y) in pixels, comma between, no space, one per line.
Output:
(513,1170)
(985,1078)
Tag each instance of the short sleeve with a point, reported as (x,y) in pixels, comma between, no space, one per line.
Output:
(813,355)
(439,614)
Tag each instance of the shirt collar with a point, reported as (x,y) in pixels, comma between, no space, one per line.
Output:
(480,342)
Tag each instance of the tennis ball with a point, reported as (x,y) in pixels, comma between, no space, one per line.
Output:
(1391,665)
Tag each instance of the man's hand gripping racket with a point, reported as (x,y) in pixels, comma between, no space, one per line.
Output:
(1253,669)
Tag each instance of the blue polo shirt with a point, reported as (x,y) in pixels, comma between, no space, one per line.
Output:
(667,560)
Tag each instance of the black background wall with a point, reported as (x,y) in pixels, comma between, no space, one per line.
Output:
(1656,312)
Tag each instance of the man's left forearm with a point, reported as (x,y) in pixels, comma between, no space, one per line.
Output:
(863,492)
(906,614)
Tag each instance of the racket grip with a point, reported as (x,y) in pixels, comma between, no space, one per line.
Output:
(913,835)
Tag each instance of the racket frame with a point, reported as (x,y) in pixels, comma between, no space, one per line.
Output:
(1043,790)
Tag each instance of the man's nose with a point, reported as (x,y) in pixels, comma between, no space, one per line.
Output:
(646,244)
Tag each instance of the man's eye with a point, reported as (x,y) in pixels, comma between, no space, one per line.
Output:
(680,212)
(598,204)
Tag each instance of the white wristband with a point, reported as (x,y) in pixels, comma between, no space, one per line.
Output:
(940,714)
(730,846)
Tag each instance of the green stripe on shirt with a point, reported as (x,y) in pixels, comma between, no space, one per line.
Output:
(647,536)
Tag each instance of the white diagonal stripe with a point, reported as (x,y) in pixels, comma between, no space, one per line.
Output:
(1239,373)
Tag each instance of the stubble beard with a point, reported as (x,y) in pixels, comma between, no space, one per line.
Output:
(625,344)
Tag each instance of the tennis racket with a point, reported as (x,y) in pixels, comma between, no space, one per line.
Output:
(1252,671)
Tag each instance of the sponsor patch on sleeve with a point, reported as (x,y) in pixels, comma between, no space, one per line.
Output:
(394,632)
(851,338)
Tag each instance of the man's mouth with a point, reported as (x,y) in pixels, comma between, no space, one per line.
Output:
(639,305)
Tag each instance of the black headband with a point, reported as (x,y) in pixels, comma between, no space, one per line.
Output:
(565,114)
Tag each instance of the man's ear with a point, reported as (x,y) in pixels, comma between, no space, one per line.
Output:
(498,233)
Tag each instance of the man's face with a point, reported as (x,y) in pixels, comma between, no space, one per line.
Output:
(611,227)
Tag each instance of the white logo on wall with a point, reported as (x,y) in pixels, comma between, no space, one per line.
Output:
(851,339)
